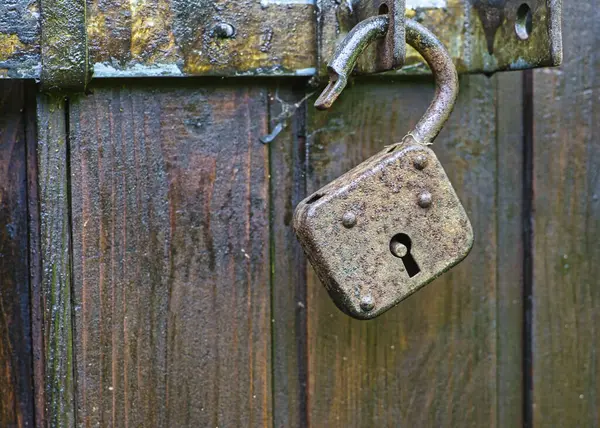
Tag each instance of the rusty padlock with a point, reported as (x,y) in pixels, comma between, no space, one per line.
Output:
(394,223)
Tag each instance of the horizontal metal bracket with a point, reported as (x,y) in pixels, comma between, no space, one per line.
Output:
(482,36)
(134,38)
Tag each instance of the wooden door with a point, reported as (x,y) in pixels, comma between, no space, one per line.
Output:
(149,275)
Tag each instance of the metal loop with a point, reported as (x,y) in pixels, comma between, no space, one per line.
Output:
(430,48)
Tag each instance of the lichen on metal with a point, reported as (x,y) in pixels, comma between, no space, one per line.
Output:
(139,38)
(19,39)
(64,45)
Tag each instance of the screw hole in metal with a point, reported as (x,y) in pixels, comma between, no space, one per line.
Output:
(383,9)
(223,30)
(524,22)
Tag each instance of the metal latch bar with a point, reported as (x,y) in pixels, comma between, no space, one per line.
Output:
(124,38)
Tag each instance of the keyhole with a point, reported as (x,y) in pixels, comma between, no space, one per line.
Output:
(400,246)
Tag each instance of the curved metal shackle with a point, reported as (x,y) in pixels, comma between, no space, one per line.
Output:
(430,48)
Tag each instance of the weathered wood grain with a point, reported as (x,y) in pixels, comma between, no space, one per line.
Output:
(510,249)
(16,388)
(434,360)
(566,222)
(35,258)
(55,249)
(171,255)
(288,275)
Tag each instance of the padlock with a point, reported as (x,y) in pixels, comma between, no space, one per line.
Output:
(394,223)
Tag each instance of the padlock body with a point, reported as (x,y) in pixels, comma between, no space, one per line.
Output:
(384,229)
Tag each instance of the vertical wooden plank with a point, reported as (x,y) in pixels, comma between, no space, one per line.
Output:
(433,360)
(566,221)
(35,258)
(287,184)
(120,263)
(510,249)
(171,255)
(16,388)
(55,241)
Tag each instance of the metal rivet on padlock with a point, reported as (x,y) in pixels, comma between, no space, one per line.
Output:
(349,219)
(425,199)
(394,223)
(420,162)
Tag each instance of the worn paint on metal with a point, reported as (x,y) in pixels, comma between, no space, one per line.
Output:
(136,38)
(19,39)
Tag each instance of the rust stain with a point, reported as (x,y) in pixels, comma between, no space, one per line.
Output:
(152,38)
(178,37)
(133,36)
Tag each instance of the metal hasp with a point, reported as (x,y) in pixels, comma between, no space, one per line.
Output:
(260,37)
(482,36)
(64,45)
(394,223)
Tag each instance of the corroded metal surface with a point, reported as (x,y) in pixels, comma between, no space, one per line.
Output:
(389,52)
(19,39)
(394,223)
(429,47)
(353,229)
(136,38)
(347,53)
(182,37)
(479,34)
(64,45)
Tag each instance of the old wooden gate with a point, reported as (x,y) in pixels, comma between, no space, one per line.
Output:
(149,275)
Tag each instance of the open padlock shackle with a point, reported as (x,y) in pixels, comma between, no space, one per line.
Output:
(430,48)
